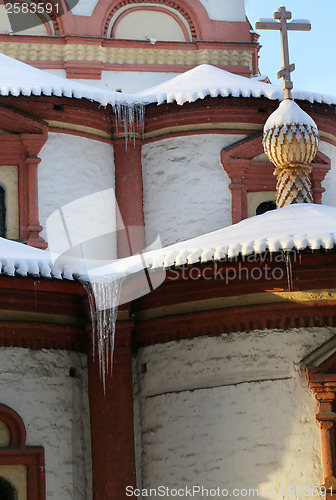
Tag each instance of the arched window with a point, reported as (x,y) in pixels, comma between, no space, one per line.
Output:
(152,25)
(7,490)
(164,20)
(265,206)
(21,466)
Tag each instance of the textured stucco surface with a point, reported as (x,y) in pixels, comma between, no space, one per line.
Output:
(54,408)
(329,183)
(225,10)
(71,168)
(186,189)
(233,411)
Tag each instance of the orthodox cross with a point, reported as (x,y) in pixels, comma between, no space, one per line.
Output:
(272,24)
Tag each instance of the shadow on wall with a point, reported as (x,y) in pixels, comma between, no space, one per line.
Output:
(230,414)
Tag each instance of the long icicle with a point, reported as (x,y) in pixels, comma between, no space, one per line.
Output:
(103,302)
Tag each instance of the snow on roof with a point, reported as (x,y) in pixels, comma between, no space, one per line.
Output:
(23,260)
(209,81)
(289,113)
(297,227)
(17,78)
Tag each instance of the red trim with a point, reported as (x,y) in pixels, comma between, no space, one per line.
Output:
(58,302)
(90,70)
(77,133)
(111,416)
(18,454)
(154,8)
(308,272)
(183,9)
(198,132)
(322,381)
(40,335)
(129,197)
(15,426)
(172,68)
(242,319)
(328,140)
(22,149)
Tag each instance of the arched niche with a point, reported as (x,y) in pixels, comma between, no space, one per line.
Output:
(150,24)
(160,15)
(7,490)
(21,466)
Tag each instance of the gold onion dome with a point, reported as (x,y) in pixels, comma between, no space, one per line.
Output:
(290,141)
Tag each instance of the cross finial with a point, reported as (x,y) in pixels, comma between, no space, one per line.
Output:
(283,15)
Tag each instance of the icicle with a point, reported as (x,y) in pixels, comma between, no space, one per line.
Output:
(132,117)
(289,271)
(103,301)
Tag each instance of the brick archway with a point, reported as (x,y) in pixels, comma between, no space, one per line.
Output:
(180,8)
(17,453)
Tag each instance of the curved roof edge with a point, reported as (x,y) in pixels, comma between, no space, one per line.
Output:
(20,79)
(298,227)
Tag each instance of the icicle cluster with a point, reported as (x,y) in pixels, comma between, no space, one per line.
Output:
(132,118)
(103,301)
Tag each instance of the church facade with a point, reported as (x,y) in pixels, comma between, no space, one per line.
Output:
(223,379)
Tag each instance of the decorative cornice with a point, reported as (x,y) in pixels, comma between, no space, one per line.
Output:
(161,57)
(181,308)
(243,319)
(41,315)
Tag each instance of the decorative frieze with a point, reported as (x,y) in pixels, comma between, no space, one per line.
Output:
(125,55)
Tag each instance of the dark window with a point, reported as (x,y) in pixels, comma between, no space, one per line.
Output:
(7,491)
(2,214)
(266,206)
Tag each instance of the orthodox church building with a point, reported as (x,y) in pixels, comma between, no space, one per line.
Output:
(133,172)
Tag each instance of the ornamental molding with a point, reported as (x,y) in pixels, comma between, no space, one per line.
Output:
(181,11)
(320,368)
(17,453)
(20,145)
(119,56)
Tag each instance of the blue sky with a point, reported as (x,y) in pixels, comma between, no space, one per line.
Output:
(313,52)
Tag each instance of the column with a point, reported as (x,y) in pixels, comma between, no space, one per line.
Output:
(128,190)
(33,144)
(112,434)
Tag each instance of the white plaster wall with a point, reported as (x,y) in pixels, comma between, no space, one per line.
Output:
(329,183)
(127,81)
(186,189)
(145,25)
(72,168)
(54,408)
(225,10)
(232,411)
(221,10)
